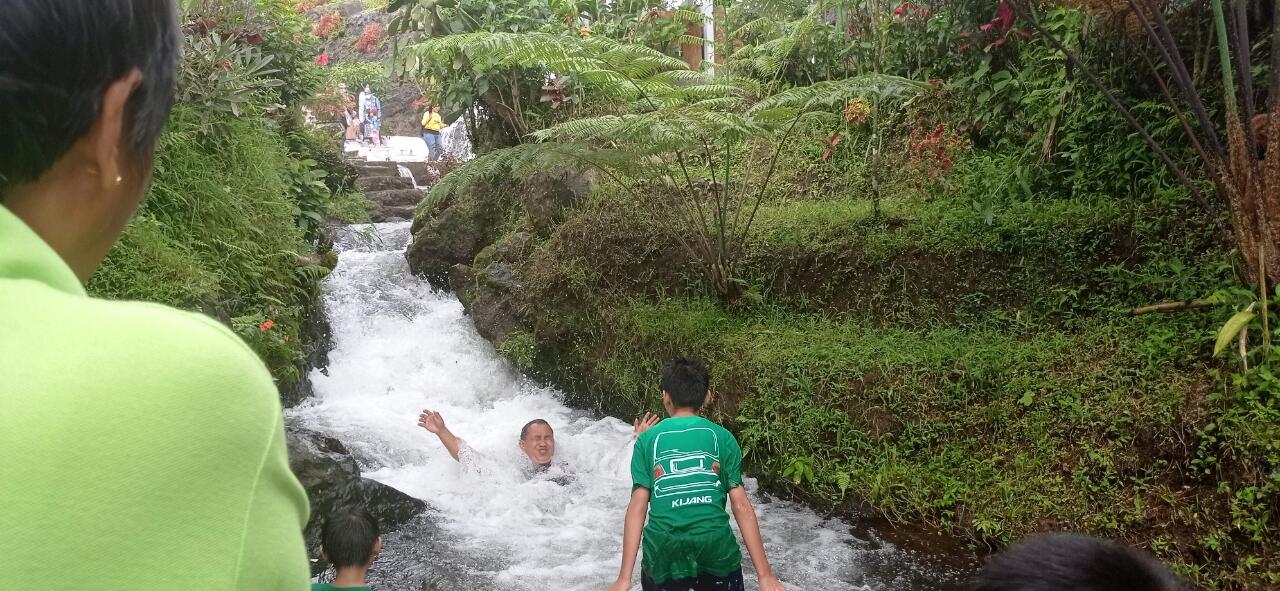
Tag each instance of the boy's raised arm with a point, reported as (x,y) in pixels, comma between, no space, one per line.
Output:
(637,511)
(745,515)
(433,422)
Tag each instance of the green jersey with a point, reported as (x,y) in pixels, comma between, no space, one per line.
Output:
(689,465)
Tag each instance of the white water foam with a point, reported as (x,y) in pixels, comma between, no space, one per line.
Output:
(400,347)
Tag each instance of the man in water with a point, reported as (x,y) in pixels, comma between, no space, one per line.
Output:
(537,438)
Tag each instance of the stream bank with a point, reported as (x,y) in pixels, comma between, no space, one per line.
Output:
(901,361)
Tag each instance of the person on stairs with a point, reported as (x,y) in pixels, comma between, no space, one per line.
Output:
(432,123)
(371,115)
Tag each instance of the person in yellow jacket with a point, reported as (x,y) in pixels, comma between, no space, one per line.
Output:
(432,123)
(141,447)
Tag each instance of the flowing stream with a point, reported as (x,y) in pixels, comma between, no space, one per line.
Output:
(400,347)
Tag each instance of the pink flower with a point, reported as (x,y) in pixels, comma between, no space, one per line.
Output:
(323,59)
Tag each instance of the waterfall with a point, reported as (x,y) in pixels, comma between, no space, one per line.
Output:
(401,346)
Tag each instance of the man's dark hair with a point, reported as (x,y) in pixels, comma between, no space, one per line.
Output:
(1073,562)
(687,381)
(57,58)
(348,537)
(524,431)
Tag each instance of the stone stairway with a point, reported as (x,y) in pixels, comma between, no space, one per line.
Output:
(393,196)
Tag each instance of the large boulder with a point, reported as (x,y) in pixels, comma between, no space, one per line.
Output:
(332,480)
(545,197)
(453,237)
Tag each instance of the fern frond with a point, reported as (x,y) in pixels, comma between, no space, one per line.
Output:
(835,94)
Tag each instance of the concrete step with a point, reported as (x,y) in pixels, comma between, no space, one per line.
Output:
(368,184)
(394,197)
(366,170)
(393,213)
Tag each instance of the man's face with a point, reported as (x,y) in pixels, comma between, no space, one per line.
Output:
(539,443)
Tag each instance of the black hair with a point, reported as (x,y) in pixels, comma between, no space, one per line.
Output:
(1073,562)
(524,431)
(687,381)
(57,58)
(348,537)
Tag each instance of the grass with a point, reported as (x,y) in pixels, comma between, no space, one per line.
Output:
(217,234)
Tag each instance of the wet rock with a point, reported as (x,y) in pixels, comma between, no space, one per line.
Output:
(317,340)
(391,213)
(499,277)
(332,480)
(451,238)
(382,183)
(424,173)
(462,281)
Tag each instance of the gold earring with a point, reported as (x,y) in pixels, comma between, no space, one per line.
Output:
(119,179)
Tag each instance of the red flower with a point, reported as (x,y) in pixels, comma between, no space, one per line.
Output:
(987,26)
(1004,15)
(265,326)
(323,59)
(831,143)
(902,8)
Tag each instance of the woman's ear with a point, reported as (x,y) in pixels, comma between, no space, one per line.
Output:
(108,133)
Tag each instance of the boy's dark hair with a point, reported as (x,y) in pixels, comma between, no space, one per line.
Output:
(1073,562)
(687,381)
(57,58)
(524,431)
(348,537)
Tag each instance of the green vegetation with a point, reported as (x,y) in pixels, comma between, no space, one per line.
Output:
(929,312)
(231,224)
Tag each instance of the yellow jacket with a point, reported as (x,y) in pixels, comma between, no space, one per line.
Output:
(432,122)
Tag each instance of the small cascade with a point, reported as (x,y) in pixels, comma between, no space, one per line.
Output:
(405,172)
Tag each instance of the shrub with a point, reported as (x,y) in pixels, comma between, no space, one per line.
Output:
(329,26)
(357,74)
(370,39)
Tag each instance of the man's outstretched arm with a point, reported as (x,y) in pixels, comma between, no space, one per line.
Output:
(637,511)
(433,422)
(745,515)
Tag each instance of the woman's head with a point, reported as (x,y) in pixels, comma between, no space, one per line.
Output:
(85,89)
(435,108)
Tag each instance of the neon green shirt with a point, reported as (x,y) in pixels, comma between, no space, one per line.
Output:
(140,447)
(330,587)
(689,465)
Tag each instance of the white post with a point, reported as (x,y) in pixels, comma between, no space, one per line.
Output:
(709,34)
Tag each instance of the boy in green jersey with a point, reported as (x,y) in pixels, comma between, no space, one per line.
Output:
(683,470)
(350,541)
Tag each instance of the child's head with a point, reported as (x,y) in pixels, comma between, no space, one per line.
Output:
(1073,562)
(685,384)
(350,538)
